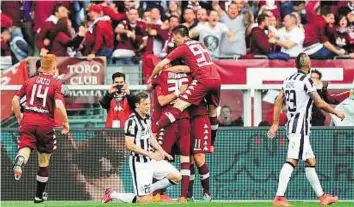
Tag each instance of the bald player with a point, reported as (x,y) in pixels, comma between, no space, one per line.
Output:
(43,95)
(299,94)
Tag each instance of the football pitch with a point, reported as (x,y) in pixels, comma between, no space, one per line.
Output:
(191,204)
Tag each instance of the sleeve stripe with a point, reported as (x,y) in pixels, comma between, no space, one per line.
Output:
(130,124)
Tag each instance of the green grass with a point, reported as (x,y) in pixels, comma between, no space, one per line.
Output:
(195,204)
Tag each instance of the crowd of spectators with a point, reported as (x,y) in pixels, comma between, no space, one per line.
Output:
(126,31)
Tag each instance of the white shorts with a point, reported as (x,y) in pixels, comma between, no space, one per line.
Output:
(299,147)
(143,173)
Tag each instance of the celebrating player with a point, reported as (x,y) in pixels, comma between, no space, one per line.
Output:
(299,94)
(206,83)
(169,86)
(144,164)
(44,94)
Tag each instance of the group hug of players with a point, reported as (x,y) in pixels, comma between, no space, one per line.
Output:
(186,87)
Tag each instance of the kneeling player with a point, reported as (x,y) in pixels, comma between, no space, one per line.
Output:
(201,144)
(144,164)
(43,95)
(168,86)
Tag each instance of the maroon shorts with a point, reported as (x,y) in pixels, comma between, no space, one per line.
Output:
(37,137)
(176,136)
(197,91)
(201,134)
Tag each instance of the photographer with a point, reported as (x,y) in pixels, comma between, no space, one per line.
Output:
(116,102)
(318,118)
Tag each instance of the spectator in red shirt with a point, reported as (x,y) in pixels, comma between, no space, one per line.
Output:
(44,40)
(341,36)
(112,11)
(116,102)
(102,31)
(316,43)
(259,39)
(131,36)
(63,39)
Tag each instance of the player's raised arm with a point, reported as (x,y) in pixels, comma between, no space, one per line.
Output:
(325,106)
(277,110)
(158,68)
(17,109)
(166,99)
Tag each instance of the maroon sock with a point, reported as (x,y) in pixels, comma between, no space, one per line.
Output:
(185,179)
(42,179)
(214,122)
(204,177)
(168,117)
(191,181)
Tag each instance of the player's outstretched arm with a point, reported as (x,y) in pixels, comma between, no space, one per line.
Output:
(158,68)
(166,99)
(325,106)
(17,109)
(62,112)
(277,109)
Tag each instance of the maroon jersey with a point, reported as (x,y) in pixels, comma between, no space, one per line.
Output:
(41,92)
(169,82)
(140,34)
(156,111)
(197,57)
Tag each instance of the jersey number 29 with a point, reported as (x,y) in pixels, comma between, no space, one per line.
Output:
(291,99)
(37,92)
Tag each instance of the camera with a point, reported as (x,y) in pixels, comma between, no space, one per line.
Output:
(119,88)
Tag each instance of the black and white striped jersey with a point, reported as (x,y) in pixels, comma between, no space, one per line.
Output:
(140,129)
(297,89)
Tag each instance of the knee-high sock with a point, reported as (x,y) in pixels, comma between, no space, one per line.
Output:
(191,181)
(214,122)
(161,184)
(185,171)
(204,177)
(42,179)
(312,177)
(284,177)
(124,197)
(168,117)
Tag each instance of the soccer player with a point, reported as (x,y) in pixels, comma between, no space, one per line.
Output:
(299,94)
(206,83)
(169,85)
(202,143)
(144,163)
(44,95)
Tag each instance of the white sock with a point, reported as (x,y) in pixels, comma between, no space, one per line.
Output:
(312,177)
(284,177)
(161,184)
(124,197)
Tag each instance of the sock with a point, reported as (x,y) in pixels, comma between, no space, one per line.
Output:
(284,177)
(158,191)
(312,177)
(20,160)
(204,177)
(124,197)
(191,181)
(214,122)
(42,179)
(185,171)
(161,184)
(168,117)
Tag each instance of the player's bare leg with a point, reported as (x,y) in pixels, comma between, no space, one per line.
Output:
(20,160)
(214,122)
(42,177)
(284,177)
(312,177)
(185,171)
(203,171)
(170,116)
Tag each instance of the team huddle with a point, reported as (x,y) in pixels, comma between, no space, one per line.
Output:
(185,88)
